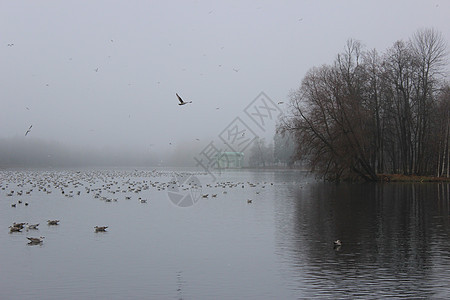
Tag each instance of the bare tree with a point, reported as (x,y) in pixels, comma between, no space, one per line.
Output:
(429,59)
(440,131)
(368,113)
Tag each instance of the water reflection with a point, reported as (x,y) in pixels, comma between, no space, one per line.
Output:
(394,239)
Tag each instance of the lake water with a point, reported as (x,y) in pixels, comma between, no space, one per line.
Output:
(395,237)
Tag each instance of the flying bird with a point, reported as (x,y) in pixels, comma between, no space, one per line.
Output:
(281,102)
(181,101)
(29,130)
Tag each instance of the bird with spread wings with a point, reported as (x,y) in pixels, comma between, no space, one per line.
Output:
(181,101)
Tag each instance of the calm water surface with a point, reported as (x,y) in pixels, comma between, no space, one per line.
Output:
(395,238)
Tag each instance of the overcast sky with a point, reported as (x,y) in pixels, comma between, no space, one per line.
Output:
(105,73)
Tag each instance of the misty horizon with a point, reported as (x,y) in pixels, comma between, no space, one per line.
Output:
(102,76)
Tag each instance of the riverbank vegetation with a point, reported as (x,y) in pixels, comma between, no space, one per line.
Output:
(371,113)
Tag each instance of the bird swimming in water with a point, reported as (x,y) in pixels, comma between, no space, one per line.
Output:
(34,241)
(32,226)
(181,101)
(14,229)
(100,228)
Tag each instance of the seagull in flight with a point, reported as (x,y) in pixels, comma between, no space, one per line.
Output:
(181,101)
(29,130)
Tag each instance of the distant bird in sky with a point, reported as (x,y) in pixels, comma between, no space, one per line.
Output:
(96,69)
(27,108)
(10,45)
(181,101)
(281,102)
(29,130)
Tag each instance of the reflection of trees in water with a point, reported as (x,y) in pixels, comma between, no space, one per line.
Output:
(391,237)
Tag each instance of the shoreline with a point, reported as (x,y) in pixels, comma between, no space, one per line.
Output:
(410,178)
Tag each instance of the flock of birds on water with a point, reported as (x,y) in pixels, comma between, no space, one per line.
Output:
(107,186)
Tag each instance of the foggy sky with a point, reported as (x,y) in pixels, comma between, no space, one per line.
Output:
(103,74)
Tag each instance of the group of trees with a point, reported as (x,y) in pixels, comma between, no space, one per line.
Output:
(261,155)
(284,149)
(280,153)
(370,113)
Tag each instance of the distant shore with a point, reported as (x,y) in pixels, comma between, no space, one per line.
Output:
(276,168)
(410,178)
